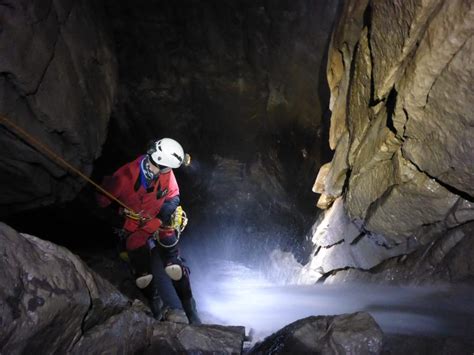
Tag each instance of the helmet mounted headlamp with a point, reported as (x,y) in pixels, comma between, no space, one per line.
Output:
(167,153)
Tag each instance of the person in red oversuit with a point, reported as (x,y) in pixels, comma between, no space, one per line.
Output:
(148,187)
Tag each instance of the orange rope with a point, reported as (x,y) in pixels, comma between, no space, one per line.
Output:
(60,161)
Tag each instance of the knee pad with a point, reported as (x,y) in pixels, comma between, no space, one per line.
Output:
(143,281)
(174,271)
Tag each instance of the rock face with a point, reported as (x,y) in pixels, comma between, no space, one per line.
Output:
(402,126)
(171,338)
(356,333)
(49,297)
(51,302)
(447,259)
(58,83)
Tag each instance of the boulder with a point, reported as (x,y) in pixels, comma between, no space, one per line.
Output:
(48,296)
(356,333)
(51,302)
(172,338)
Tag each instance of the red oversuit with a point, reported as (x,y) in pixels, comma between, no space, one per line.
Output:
(125,184)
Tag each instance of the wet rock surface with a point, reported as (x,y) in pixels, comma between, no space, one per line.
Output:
(51,302)
(447,259)
(397,344)
(180,338)
(356,333)
(402,128)
(58,83)
(49,297)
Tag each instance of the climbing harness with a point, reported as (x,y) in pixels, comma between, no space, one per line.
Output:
(179,218)
(179,221)
(129,212)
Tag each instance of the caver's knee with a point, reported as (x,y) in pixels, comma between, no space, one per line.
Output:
(176,269)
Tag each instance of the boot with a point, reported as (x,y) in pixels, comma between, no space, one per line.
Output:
(189,307)
(156,305)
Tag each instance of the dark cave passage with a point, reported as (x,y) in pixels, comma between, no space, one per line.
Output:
(251,120)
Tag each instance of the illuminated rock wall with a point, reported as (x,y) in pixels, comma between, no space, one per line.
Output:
(402,127)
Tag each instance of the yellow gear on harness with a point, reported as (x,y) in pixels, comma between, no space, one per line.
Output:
(124,256)
(179,220)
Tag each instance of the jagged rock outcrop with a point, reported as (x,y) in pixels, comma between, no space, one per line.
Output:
(447,259)
(51,302)
(356,333)
(402,125)
(58,81)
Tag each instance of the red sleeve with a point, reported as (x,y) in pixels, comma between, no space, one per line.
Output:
(112,184)
(173,188)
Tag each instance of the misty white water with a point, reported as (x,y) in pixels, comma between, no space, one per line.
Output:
(230,293)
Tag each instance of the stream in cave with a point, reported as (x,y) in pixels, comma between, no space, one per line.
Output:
(231,293)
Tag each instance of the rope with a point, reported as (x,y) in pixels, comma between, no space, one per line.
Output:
(60,161)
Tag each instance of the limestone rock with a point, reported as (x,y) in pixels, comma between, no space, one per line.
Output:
(339,243)
(335,227)
(438,99)
(368,252)
(414,201)
(318,186)
(449,258)
(325,201)
(181,338)
(343,42)
(337,174)
(462,213)
(59,81)
(356,333)
(373,171)
(395,29)
(48,295)
(360,94)
(124,333)
(401,79)
(51,302)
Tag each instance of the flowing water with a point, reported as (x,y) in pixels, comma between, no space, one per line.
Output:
(231,293)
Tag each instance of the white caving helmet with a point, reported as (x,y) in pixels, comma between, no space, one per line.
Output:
(167,152)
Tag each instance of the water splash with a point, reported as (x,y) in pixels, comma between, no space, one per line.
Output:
(234,294)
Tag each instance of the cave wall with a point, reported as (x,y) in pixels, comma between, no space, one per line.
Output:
(58,81)
(401,76)
(237,80)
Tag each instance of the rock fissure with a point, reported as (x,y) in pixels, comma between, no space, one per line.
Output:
(448,187)
(371,209)
(358,238)
(34,91)
(331,245)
